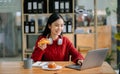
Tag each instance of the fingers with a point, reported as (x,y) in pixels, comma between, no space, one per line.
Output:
(43,46)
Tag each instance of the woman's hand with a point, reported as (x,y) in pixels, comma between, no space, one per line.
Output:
(80,62)
(43,46)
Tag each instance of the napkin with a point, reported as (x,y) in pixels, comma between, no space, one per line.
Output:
(39,64)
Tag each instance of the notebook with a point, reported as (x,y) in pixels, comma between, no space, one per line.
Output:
(94,58)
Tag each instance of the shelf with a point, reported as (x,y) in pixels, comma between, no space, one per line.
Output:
(32,34)
(28,51)
(84,33)
(45,14)
(35,14)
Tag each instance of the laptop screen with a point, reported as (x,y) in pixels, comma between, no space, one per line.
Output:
(94,58)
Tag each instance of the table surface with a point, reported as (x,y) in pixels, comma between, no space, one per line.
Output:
(17,68)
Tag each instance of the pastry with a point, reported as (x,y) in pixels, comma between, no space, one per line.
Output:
(43,41)
(52,65)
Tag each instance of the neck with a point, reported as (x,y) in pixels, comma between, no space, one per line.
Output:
(54,36)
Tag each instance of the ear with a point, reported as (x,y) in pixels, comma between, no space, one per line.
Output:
(49,26)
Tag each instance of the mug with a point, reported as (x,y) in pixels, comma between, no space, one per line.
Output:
(28,63)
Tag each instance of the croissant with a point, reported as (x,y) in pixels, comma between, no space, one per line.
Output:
(43,41)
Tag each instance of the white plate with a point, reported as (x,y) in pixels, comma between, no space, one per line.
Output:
(46,67)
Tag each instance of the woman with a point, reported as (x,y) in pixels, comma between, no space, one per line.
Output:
(60,48)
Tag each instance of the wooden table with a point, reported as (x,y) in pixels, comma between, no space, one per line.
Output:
(17,68)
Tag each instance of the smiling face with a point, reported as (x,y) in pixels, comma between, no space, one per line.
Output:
(56,27)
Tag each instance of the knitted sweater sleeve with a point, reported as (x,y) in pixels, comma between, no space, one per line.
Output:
(37,53)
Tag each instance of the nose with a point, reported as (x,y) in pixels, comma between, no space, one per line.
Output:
(60,28)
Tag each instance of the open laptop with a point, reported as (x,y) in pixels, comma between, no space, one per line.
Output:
(94,58)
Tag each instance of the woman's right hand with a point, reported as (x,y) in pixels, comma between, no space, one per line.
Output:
(43,46)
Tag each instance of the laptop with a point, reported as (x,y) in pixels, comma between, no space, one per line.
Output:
(94,58)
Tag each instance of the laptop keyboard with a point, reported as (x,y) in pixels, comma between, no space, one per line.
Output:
(74,66)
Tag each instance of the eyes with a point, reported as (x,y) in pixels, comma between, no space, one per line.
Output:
(58,25)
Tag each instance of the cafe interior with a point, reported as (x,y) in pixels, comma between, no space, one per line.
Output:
(91,25)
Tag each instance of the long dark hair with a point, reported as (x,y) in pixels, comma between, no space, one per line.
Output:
(51,19)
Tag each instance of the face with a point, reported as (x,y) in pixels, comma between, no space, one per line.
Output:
(57,27)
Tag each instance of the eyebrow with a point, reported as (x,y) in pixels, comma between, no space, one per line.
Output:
(58,23)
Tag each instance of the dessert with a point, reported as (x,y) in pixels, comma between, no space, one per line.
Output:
(43,41)
(52,65)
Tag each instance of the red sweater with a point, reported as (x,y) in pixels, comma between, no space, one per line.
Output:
(56,52)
